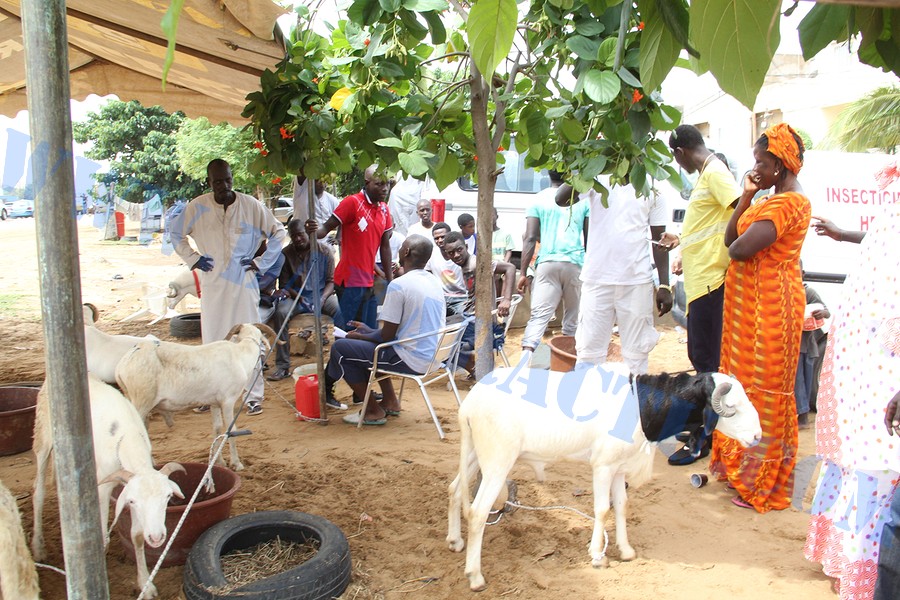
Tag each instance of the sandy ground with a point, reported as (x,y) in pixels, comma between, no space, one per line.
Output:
(387,487)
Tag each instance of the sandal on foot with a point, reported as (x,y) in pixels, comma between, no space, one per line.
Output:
(391,413)
(738,501)
(355,417)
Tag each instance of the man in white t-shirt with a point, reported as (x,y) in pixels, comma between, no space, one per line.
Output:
(424,225)
(450,274)
(414,304)
(324,201)
(617,277)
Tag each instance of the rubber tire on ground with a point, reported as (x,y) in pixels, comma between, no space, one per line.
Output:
(185,326)
(3,215)
(326,575)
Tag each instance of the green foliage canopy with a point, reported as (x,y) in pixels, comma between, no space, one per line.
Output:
(139,143)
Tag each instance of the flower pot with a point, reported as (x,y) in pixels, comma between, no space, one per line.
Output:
(17,409)
(208,510)
(562,353)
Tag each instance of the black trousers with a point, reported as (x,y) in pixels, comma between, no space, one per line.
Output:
(704,329)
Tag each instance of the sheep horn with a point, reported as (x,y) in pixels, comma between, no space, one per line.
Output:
(233,331)
(718,396)
(95,313)
(269,333)
(169,468)
(121,476)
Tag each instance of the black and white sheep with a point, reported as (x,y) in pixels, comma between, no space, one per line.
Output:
(591,414)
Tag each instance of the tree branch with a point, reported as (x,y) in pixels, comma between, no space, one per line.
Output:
(443,56)
(460,9)
(447,91)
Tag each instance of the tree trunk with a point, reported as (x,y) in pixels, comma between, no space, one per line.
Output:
(487,180)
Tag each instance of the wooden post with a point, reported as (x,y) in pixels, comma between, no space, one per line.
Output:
(47,84)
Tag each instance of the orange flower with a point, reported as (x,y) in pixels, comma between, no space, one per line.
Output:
(476,158)
(276,181)
(367,42)
(315,80)
(500,148)
(264,152)
(285,134)
(641,26)
(636,96)
(258,145)
(313,109)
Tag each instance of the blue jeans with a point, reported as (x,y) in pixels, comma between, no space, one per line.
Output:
(803,382)
(357,304)
(888,585)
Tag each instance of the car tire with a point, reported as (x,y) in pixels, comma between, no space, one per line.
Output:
(3,215)
(324,576)
(185,326)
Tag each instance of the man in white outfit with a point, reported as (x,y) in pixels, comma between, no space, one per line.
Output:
(227,228)
(617,277)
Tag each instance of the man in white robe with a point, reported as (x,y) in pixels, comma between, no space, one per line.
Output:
(227,228)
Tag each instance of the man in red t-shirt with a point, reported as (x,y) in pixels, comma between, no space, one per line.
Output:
(366,227)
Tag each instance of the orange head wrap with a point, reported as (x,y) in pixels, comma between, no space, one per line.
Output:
(783,145)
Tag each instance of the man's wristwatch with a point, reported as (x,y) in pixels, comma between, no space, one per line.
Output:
(666,287)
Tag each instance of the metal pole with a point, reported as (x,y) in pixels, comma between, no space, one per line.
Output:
(317,301)
(47,84)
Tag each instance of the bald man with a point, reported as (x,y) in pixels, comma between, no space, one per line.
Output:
(424,225)
(366,228)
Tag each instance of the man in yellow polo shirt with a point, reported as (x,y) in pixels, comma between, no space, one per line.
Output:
(704,257)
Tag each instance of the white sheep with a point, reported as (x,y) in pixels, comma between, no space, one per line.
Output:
(170,377)
(103,350)
(590,414)
(18,577)
(122,455)
(184,283)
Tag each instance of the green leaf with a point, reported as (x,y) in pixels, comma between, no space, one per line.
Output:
(491,27)
(736,40)
(391,142)
(169,26)
(413,163)
(607,51)
(389,6)
(665,117)
(436,27)
(585,48)
(659,49)
(602,86)
(558,111)
(423,6)
(626,76)
(674,15)
(594,166)
(537,126)
(572,130)
(589,27)
(447,171)
(364,12)
(823,24)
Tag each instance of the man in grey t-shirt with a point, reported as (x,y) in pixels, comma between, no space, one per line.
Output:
(414,304)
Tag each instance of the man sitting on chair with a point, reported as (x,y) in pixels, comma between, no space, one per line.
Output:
(413,304)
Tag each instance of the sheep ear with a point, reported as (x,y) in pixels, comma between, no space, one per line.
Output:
(169,468)
(176,491)
(121,476)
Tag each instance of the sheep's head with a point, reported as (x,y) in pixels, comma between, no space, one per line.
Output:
(259,332)
(738,418)
(147,496)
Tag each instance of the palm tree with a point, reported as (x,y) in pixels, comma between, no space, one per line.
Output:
(870,123)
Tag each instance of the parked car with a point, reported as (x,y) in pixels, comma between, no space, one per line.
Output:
(21,208)
(6,205)
(284,209)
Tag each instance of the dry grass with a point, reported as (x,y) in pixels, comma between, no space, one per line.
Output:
(247,565)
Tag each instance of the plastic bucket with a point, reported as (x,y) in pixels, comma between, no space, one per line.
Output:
(120,224)
(562,353)
(437,209)
(306,396)
(17,411)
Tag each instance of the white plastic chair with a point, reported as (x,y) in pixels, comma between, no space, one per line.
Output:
(443,363)
(154,299)
(514,303)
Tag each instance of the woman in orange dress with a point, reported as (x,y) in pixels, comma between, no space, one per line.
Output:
(763,320)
